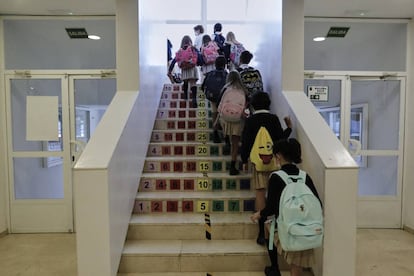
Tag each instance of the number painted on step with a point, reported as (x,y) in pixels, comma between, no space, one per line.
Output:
(187,206)
(202,137)
(202,104)
(202,124)
(202,113)
(203,184)
(203,206)
(202,150)
(141,207)
(204,166)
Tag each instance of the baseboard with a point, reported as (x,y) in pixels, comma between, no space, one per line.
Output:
(3,234)
(408,229)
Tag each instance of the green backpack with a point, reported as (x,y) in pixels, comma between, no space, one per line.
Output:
(300,221)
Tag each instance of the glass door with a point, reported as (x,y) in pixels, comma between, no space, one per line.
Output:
(50,118)
(381,104)
(366,115)
(90,95)
(38,138)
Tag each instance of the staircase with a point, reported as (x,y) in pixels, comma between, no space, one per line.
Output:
(190,216)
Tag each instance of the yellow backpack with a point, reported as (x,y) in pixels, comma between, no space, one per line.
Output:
(261,154)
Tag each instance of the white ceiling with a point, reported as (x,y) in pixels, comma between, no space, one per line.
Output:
(317,8)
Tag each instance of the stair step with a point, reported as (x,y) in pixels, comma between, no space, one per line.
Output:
(190,182)
(190,164)
(193,273)
(191,226)
(188,149)
(200,202)
(182,135)
(192,255)
(183,123)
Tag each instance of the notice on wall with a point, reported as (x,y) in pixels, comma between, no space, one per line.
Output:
(42,118)
(318,93)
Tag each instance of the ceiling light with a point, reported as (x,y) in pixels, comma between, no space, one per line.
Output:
(319,38)
(94,37)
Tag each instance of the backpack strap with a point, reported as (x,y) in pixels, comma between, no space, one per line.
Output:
(287,178)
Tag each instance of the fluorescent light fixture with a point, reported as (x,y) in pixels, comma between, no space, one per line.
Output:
(94,37)
(319,38)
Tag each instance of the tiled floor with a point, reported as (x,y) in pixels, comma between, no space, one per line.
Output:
(380,252)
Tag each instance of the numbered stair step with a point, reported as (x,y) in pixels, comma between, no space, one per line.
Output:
(169,113)
(195,135)
(194,182)
(187,164)
(199,202)
(183,123)
(192,255)
(191,226)
(188,149)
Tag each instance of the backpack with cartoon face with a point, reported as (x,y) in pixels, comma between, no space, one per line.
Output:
(232,105)
(186,58)
(261,154)
(210,52)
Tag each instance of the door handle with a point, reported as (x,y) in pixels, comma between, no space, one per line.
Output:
(78,148)
(354,147)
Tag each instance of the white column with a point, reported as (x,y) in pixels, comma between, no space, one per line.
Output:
(127,45)
(293,45)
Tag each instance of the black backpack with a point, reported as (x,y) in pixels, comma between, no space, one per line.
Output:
(252,79)
(213,84)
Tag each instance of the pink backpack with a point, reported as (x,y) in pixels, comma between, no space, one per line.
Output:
(210,52)
(232,105)
(235,52)
(186,58)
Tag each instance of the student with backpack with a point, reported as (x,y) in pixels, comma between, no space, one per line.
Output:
(236,48)
(186,58)
(218,37)
(260,152)
(288,153)
(231,107)
(209,52)
(251,77)
(212,85)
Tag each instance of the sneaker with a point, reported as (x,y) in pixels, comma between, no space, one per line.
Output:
(234,171)
(216,137)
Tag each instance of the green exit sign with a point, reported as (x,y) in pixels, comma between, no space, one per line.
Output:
(337,32)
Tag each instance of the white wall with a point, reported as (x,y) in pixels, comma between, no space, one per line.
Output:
(408,178)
